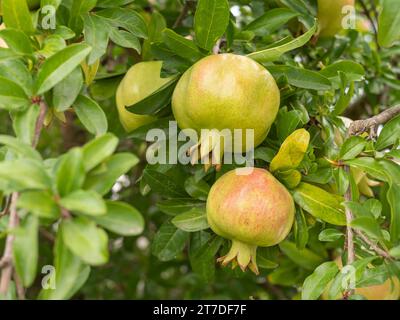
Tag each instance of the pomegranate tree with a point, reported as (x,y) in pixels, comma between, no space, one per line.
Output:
(251,209)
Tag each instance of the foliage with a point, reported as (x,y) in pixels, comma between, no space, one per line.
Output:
(77,193)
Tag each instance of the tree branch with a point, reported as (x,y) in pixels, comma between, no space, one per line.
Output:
(371,20)
(360,126)
(182,14)
(373,245)
(39,123)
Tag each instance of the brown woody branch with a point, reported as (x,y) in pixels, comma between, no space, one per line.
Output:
(360,126)
(373,245)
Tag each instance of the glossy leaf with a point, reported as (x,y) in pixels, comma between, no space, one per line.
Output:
(84,201)
(98,150)
(91,115)
(316,283)
(191,221)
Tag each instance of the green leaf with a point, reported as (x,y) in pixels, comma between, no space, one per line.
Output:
(98,150)
(393,197)
(77,9)
(127,19)
(202,251)
(301,78)
(370,166)
(16,15)
(103,179)
(70,173)
(271,20)
(24,174)
(342,179)
(160,182)
(12,95)
(97,32)
(316,283)
(168,242)
(352,147)
(304,258)
(300,230)
(122,219)
(183,47)
(373,206)
(390,134)
(60,65)
(389,19)
(369,225)
(66,91)
(353,70)
(395,252)
(84,201)
(85,240)
(26,250)
(291,152)
(125,39)
(24,124)
(158,100)
(329,235)
(177,206)
(191,221)
(51,45)
(40,203)
(70,272)
(320,203)
(21,148)
(197,189)
(274,53)
(91,115)
(17,41)
(210,22)
(18,71)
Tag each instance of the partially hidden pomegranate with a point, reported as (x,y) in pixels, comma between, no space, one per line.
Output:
(251,208)
(140,81)
(331,15)
(226,91)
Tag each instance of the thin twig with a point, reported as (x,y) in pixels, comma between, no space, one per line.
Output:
(373,245)
(39,123)
(182,14)
(6,260)
(371,20)
(19,286)
(360,126)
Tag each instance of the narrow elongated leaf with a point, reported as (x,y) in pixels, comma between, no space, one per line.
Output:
(17,41)
(26,250)
(156,101)
(91,115)
(66,91)
(389,134)
(97,32)
(122,219)
(169,242)
(84,201)
(191,221)
(319,203)
(104,178)
(60,65)
(70,272)
(389,19)
(352,147)
(177,206)
(275,53)
(19,147)
(85,240)
(393,197)
(24,174)
(271,20)
(12,95)
(353,70)
(316,283)
(99,149)
(125,39)
(302,257)
(183,47)
(291,152)
(370,166)
(16,15)
(40,203)
(210,21)
(70,173)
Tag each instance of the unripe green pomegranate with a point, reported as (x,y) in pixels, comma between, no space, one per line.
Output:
(251,208)
(140,81)
(330,16)
(227,91)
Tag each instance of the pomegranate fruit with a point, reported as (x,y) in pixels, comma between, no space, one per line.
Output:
(251,209)
(226,91)
(330,16)
(140,81)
